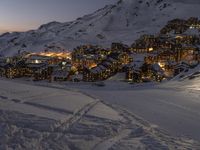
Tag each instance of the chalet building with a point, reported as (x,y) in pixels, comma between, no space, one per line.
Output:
(39,71)
(90,61)
(151,72)
(187,53)
(104,52)
(187,39)
(149,44)
(158,72)
(122,58)
(37,59)
(161,57)
(86,61)
(104,70)
(89,50)
(77,77)
(165,43)
(193,23)
(21,69)
(9,71)
(13,70)
(98,73)
(112,64)
(134,75)
(179,26)
(88,56)
(60,75)
(87,75)
(2,66)
(168,68)
(119,47)
(144,44)
(168,59)
(2,70)
(145,73)
(139,48)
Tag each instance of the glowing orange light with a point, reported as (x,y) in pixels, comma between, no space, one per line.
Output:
(92,65)
(151,49)
(162,65)
(59,55)
(179,37)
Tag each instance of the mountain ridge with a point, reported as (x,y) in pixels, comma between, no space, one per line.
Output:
(123,21)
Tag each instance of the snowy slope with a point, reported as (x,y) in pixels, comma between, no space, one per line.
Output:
(173,106)
(32,118)
(123,22)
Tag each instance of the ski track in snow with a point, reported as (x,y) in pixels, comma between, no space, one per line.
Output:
(95,125)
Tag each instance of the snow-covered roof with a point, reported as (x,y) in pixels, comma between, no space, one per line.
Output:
(156,67)
(60,73)
(98,69)
(136,70)
(39,65)
(136,64)
(107,63)
(39,57)
(112,59)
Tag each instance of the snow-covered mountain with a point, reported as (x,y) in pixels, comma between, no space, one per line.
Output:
(122,22)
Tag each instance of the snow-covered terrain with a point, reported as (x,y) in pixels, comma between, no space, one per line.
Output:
(124,22)
(43,117)
(173,106)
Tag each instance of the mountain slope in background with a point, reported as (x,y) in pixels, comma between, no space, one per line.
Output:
(123,22)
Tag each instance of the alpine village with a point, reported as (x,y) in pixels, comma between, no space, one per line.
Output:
(158,57)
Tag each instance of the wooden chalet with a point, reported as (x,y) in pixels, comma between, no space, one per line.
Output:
(39,71)
(133,72)
(60,75)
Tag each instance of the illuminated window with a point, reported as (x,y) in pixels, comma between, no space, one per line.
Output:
(151,49)
(37,61)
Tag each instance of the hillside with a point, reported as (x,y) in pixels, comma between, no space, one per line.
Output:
(122,22)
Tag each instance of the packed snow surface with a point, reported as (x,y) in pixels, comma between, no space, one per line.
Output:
(43,116)
(173,106)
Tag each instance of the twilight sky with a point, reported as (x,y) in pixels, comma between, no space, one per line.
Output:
(20,15)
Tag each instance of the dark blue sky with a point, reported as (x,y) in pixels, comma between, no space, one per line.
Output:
(19,15)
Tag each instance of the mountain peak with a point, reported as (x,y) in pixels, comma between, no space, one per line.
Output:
(123,22)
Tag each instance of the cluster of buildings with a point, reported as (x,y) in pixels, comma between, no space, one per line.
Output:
(38,66)
(149,58)
(180,26)
(174,49)
(96,63)
(113,64)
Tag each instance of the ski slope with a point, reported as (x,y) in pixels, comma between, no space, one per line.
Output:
(52,116)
